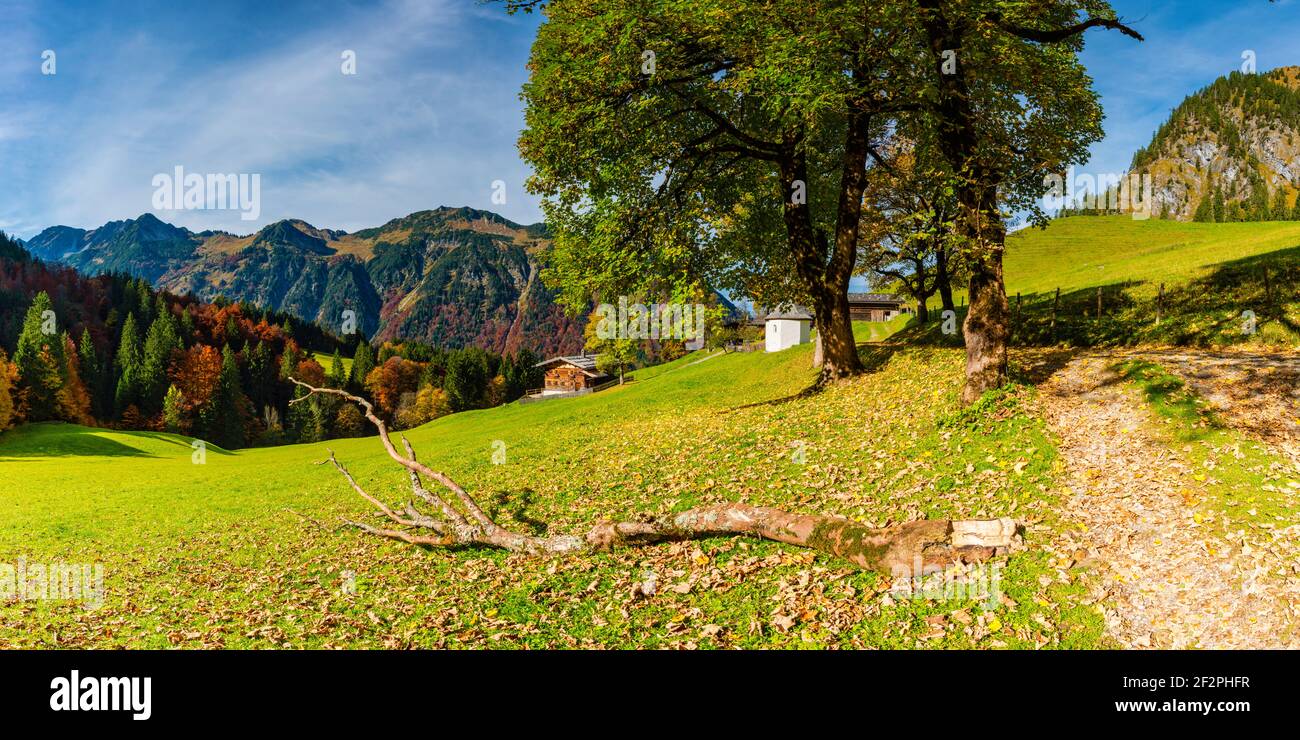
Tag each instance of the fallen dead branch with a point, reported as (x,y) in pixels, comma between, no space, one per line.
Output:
(452,518)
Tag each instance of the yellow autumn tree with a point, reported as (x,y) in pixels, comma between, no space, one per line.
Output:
(8,380)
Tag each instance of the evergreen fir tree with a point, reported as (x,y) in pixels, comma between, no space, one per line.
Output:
(225,420)
(1204,211)
(128,363)
(337,377)
(163,339)
(299,423)
(39,358)
(92,373)
(187,328)
(363,361)
(260,386)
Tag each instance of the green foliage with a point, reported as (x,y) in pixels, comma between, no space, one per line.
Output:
(467,378)
(11,250)
(160,343)
(363,361)
(40,361)
(223,419)
(644,203)
(338,376)
(260,376)
(94,375)
(173,410)
(129,365)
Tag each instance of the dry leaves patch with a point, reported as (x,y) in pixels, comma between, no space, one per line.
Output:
(1167,573)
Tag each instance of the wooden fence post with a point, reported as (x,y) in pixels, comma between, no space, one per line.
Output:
(1160,304)
(1099,301)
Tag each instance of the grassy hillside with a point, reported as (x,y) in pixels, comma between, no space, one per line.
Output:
(1087,251)
(327,361)
(1212,273)
(210,555)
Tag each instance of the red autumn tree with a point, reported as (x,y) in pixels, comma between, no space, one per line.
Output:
(73,398)
(389,381)
(196,375)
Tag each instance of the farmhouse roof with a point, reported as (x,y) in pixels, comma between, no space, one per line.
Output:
(585,363)
(875,298)
(795,313)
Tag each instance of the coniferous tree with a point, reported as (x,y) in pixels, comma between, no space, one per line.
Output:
(225,418)
(261,376)
(40,362)
(512,382)
(92,373)
(363,361)
(162,341)
(1205,210)
(144,295)
(338,378)
(467,379)
(1280,212)
(129,365)
(187,328)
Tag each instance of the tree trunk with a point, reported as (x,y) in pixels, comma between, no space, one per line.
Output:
(922,310)
(827,282)
(943,281)
(987,328)
(818,354)
(835,333)
(987,325)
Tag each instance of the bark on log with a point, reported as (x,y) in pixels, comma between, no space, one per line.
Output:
(458,521)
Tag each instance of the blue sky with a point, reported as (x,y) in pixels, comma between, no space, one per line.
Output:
(430,118)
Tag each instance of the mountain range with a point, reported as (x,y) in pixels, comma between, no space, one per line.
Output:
(1235,142)
(451,277)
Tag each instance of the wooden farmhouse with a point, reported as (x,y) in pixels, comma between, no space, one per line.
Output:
(875,306)
(572,374)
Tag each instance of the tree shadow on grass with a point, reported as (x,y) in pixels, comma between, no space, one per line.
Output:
(517,504)
(77,441)
(874,356)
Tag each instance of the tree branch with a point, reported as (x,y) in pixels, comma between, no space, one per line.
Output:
(1051,36)
(909,549)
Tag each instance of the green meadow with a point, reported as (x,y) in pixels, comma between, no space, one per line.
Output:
(246,549)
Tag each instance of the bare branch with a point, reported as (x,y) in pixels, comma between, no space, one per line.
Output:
(927,545)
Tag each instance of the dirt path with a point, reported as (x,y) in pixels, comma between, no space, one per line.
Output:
(1164,576)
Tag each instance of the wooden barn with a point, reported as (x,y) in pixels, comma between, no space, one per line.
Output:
(572,374)
(875,306)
